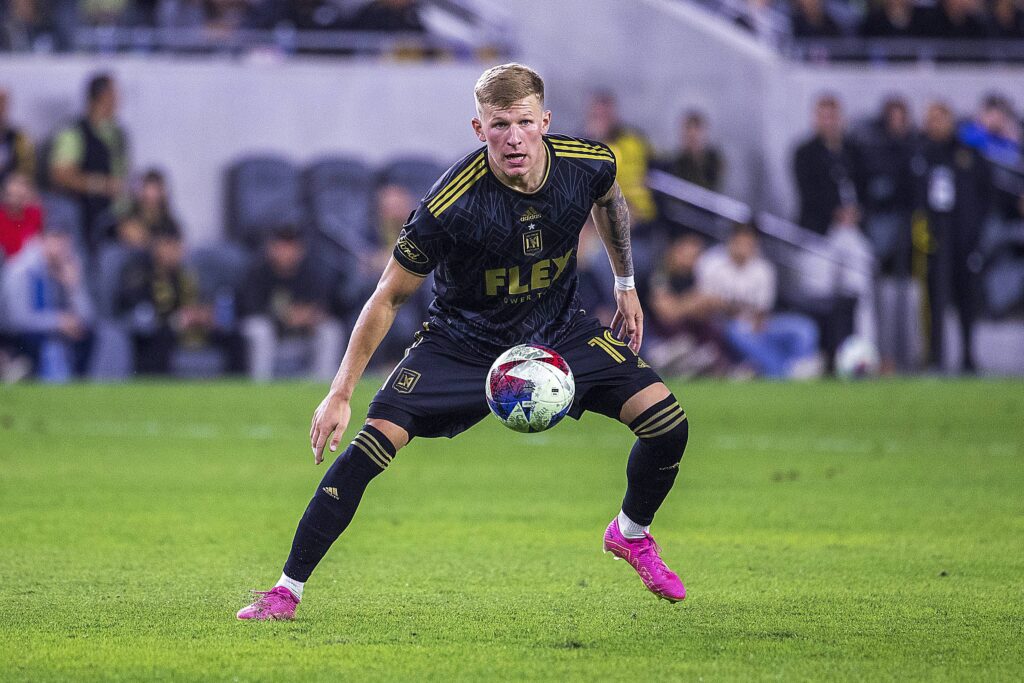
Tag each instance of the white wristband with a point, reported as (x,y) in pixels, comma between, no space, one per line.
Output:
(624,283)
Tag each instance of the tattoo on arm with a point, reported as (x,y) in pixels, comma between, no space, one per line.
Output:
(617,213)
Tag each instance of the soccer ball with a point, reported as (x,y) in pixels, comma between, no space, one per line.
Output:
(530,388)
(856,358)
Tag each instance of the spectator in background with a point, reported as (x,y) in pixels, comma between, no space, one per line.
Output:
(995,131)
(223,18)
(632,157)
(21,217)
(47,304)
(889,144)
(16,153)
(394,205)
(152,204)
(1007,21)
(161,298)
(181,14)
(892,19)
(955,19)
(132,232)
(775,345)
(392,16)
(632,154)
(148,214)
(90,160)
(25,26)
(313,15)
(697,161)
(104,12)
(828,168)
(812,20)
(284,298)
(854,270)
(681,340)
(953,196)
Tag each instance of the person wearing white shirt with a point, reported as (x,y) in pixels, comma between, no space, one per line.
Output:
(775,345)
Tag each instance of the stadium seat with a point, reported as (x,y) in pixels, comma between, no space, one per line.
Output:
(262,193)
(416,174)
(339,195)
(220,269)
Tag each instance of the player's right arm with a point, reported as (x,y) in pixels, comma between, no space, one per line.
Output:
(396,285)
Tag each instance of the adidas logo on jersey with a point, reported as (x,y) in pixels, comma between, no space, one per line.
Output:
(531,215)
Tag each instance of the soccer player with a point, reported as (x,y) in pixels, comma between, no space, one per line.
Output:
(500,231)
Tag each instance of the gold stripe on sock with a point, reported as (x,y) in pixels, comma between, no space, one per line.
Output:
(667,428)
(649,421)
(657,424)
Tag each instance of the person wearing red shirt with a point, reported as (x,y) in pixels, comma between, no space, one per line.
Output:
(21,218)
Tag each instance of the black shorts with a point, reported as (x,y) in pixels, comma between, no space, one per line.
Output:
(437,391)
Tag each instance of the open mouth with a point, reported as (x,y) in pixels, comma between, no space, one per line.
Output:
(515,157)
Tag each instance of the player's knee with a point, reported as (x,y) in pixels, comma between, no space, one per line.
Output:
(397,436)
(663,428)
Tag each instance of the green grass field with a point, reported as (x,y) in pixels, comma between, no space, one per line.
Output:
(825,532)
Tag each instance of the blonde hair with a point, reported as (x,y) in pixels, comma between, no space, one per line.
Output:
(502,86)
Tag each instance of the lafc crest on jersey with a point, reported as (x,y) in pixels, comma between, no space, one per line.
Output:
(532,242)
(406,381)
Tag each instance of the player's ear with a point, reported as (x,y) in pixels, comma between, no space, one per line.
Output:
(545,121)
(478,128)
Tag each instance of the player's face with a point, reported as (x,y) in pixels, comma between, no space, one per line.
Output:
(514,136)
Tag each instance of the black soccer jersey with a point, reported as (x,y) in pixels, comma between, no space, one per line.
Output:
(504,262)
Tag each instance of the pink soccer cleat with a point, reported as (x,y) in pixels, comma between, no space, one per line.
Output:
(644,555)
(276,603)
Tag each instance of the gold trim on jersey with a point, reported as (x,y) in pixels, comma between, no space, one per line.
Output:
(578,144)
(458,185)
(580,150)
(573,155)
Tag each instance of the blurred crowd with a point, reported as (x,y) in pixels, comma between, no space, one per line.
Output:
(905,218)
(194,25)
(777,22)
(956,19)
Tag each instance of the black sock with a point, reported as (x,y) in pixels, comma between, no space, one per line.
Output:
(336,499)
(662,432)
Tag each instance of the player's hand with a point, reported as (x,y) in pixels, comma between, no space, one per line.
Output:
(628,321)
(331,416)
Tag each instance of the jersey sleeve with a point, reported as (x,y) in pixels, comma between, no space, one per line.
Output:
(605,176)
(421,244)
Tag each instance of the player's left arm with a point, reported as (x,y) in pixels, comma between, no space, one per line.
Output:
(611,216)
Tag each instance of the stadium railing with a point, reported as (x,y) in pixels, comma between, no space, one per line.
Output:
(797,250)
(881,50)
